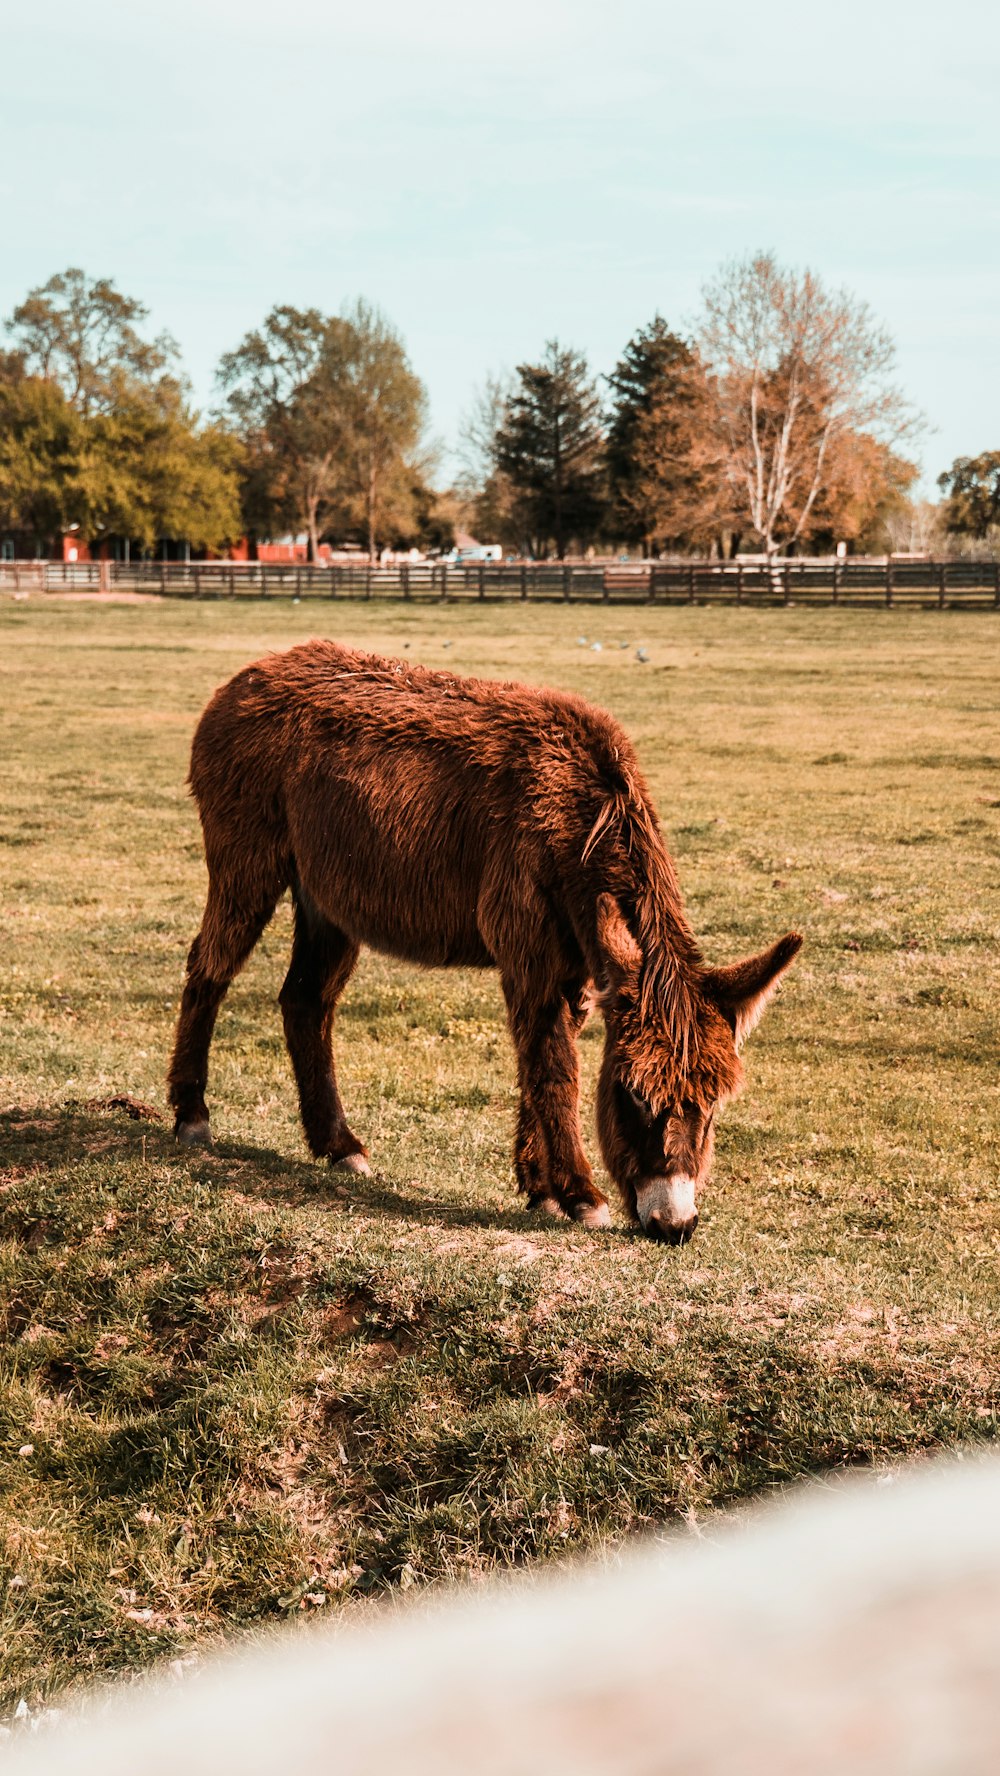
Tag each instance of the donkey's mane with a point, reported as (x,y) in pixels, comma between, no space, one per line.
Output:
(677,1044)
(671,957)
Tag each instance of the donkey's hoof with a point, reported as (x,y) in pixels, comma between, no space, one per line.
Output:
(592,1214)
(547,1205)
(352,1162)
(193,1134)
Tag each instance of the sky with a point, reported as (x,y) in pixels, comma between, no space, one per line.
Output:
(493,176)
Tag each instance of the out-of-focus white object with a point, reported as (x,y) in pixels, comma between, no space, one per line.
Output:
(853,1628)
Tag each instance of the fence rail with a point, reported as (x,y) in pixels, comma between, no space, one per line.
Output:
(858,581)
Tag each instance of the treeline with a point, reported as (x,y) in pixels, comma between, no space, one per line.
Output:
(772,424)
(320,428)
(96,434)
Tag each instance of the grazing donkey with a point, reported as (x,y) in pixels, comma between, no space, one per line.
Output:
(457,822)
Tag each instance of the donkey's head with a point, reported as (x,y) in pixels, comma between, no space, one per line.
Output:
(670,1060)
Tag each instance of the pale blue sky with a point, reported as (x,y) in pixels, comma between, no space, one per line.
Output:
(494,175)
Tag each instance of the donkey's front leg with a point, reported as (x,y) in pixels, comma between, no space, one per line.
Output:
(549,1159)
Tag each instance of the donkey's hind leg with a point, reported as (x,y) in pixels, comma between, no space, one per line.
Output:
(323,959)
(232,924)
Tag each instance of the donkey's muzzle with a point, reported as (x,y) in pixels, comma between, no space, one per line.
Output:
(659,1226)
(666,1208)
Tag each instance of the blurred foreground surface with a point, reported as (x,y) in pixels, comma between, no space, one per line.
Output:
(855,1628)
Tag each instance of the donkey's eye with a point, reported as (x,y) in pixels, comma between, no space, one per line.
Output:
(640,1104)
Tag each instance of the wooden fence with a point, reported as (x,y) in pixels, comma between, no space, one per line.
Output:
(858,581)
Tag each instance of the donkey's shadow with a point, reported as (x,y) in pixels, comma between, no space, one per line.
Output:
(309,1182)
(47,1136)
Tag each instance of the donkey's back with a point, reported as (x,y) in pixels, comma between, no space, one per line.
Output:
(416,810)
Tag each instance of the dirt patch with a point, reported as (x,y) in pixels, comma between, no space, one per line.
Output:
(517,1250)
(344,1319)
(133,1107)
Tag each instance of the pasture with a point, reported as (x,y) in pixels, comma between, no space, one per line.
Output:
(237,1388)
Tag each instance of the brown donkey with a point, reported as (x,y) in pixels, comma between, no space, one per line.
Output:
(459,823)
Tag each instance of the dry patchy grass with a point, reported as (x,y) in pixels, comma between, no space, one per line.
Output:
(231,1390)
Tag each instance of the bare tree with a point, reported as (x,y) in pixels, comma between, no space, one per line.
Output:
(794,366)
(477,432)
(917,527)
(495,508)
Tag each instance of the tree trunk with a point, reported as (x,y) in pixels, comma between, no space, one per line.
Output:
(371,506)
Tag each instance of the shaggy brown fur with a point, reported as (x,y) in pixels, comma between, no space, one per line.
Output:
(457,822)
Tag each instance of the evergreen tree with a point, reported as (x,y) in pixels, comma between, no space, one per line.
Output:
(549,450)
(664,462)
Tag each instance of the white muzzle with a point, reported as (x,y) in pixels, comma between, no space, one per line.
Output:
(672,1197)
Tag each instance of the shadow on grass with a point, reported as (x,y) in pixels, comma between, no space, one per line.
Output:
(43,1137)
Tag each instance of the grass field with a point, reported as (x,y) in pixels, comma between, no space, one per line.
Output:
(232,1392)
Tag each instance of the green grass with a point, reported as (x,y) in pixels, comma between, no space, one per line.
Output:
(232,1392)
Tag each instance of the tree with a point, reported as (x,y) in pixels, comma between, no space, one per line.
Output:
(972,494)
(283,390)
(386,410)
(665,465)
(434,519)
(793,368)
(865,498)
(549,445)
(494,509)
(148,471)
(82,334)
(41,439)
(331,415)
(94,429)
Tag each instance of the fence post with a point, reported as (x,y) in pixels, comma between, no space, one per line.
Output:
(567,582)
(836,579)
(482,579)
(996,584)
(942,581)
(524,579)
(888,582)
(444,583)
(691,583)
(739,582)
(404,579)
(785,581)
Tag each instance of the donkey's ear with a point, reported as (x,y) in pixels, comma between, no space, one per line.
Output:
(743,990)
(621,954)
